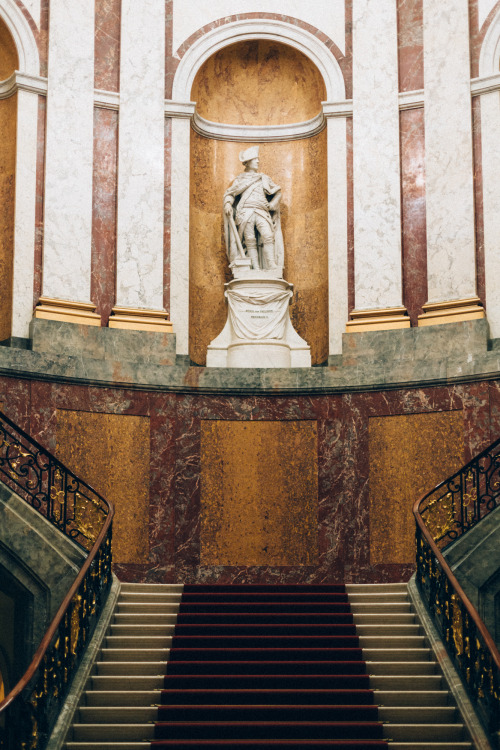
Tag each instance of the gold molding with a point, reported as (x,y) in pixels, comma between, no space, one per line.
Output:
(383,319)
(67,311)
(456,311)
(135,319)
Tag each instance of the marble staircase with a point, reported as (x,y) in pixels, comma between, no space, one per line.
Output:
(121,704)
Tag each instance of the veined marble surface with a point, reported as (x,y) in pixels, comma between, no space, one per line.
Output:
(326,15)
(33,8)
(24,239)
(377,202)
(69,152)
(141,156)
(448,152)
(179,243)
(484,8)
(490,127)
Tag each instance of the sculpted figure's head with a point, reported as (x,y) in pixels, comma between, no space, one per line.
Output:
(250,158)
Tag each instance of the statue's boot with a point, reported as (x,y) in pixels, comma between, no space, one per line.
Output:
(253,254)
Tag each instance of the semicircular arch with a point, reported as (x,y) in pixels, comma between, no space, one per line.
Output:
(22,34)
(489,58)
(260,28)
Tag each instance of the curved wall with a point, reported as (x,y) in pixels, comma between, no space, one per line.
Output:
(8,110)
(281,86)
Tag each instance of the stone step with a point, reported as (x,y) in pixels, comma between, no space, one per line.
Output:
(118,682)
(424,733)
(401,668)
(385,618)
(368,588)
(373,597)
(143,608)
(168,588)
(135,654)
(394,641)
(144,630)
(148,597)
(397,654)
(127,668)
(113,732)
(405,682)
(411,697)
(145,618)
(122,697)
(388,630)
(378,608)
(418,714)
(117,714)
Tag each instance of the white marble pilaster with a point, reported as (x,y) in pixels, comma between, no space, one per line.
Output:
(337,232)
(69,151)
(448,152)
(141,156)
(377,203)
(179,247)
(490,129)
(24,231)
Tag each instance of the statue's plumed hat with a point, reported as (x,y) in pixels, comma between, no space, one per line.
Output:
(249,153)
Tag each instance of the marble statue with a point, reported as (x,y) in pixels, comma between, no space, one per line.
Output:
(252,226)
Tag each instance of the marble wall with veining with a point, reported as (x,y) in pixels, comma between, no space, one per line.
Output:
(326,15)
(355,490)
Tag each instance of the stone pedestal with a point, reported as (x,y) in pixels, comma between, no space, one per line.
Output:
(258,331)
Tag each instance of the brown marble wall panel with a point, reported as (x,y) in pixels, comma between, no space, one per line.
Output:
(258,82)
(478,199)
(9,60)
(8,127)
(408,455)
(107,45)
(410,45)
(346,526)
(40,188)
(256,507)
(103,265)
(345,61)
(414,239)
(299,167)
(111,453)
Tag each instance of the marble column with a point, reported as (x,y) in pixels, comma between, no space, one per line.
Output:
(179,244)
(490,128)
(68,164)
(337,230)
(376,165)
(451,266)
(24,231)
(141,179)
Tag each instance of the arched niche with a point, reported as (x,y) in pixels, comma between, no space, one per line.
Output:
(9,62)
(266,83)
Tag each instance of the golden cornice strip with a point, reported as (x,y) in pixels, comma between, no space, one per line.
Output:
(456,311)
(67,311)
(136,319)
(382,319)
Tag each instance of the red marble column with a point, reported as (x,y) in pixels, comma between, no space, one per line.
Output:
(413,212)
(103,266)
(107,45)
(410,45)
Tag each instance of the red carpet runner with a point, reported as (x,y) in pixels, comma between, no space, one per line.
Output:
(255,666)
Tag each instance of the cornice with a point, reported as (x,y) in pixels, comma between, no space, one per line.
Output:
(258,133)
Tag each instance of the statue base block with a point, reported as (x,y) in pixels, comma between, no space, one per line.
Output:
(258,330)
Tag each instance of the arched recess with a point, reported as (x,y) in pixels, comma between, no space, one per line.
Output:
(267,84)
(489,66)
(9,62)
(22,37)
(194,58)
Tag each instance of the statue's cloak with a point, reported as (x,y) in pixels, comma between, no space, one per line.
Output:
(240,191)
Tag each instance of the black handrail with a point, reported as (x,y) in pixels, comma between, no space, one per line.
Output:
(443,515)
(29,712)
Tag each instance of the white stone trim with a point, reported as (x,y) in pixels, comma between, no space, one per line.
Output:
(490,129)
(106,99)
(411,99)
(258,133)
(485,84)
(489,59)
(179,109)
(258,28)
(27,50)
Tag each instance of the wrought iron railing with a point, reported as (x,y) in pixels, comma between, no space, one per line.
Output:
(443,515)
(28,713)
